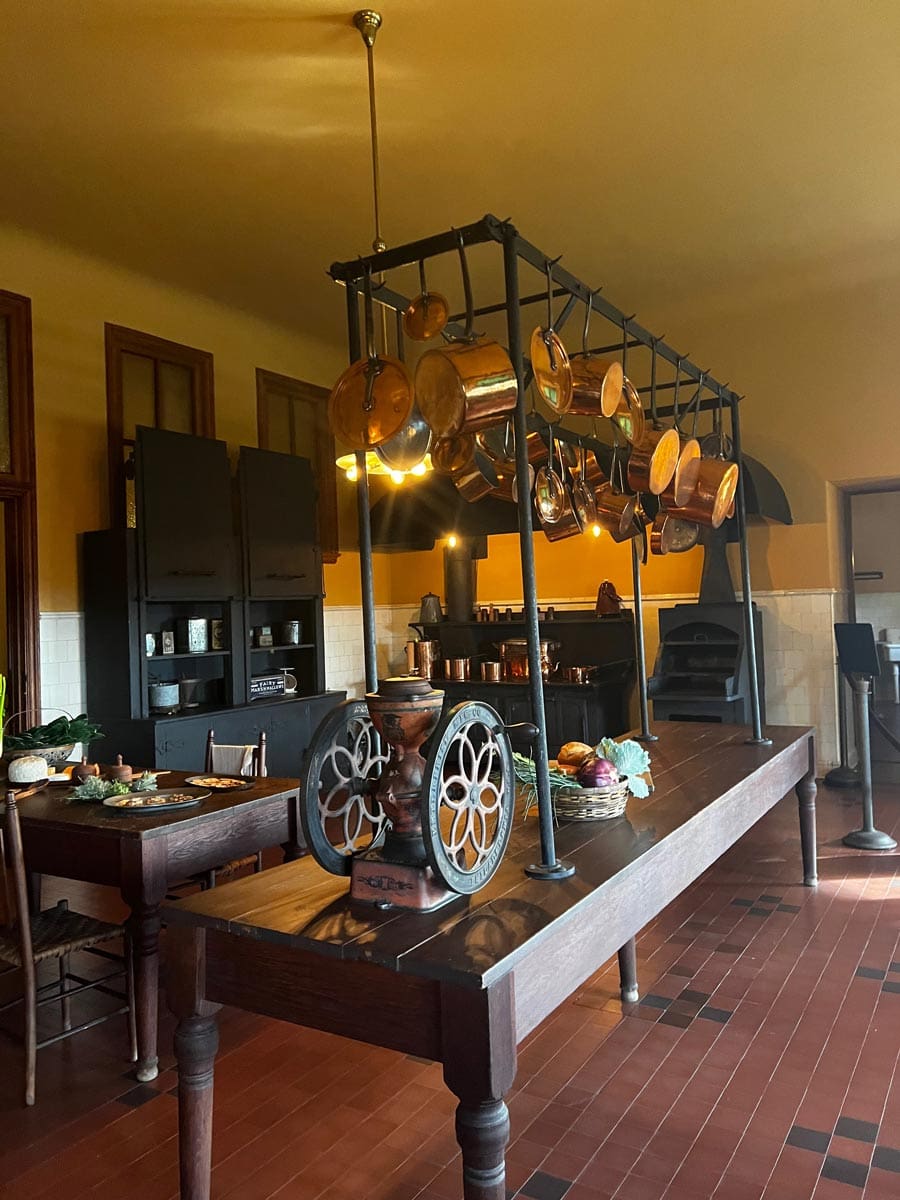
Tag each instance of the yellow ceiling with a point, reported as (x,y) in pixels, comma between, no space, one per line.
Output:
(671,148)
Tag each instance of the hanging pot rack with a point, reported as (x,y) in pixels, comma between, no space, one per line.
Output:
(560,282)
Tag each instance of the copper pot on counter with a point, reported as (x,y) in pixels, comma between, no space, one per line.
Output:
(514,658)
(427,658)
(457,669)
(578,674)
(491,672)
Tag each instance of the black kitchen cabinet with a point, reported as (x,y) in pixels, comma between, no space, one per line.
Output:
(185,517)
(278,512)
(143,583)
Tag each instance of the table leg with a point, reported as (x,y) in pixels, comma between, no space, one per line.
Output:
(806,796)
(196,1045)
(144,925)
(479,1054)
(628,980)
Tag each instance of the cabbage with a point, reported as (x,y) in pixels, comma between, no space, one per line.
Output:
(631,761)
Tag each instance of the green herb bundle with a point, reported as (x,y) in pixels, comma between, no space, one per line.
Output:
(61,732)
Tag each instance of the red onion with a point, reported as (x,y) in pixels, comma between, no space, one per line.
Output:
(598,772)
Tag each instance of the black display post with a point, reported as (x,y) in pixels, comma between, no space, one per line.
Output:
(859,662)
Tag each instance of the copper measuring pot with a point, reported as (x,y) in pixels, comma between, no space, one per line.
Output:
(469,384)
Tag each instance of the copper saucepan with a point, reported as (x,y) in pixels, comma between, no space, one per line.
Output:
(615,512)
(713,487)
(427,315)
(373,398)
(596,382)
(468,384)
(677,490)
(549,360)
(628,415)
(653,460)
(456,668)
(578,674)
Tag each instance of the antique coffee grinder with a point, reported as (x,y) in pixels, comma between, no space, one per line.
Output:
(410,831)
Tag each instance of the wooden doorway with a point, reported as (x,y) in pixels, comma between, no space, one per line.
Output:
(19,582)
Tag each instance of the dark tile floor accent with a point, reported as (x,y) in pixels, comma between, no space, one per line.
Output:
(886,1159)
(845,1171)
(611,1101)
(759,912)
(890,986)
(653,1001)
(791,908)
(767,899)
(869,973)
(808,1139)
(715,1014)
(860,1131)
(743,903)
(545,1187)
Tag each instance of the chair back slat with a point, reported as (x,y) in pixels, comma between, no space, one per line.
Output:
(247,760)
(15,888)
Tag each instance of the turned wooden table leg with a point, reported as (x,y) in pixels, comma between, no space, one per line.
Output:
(806,796)
(479,1054)
(144,926)
(196,1045)
(628,980)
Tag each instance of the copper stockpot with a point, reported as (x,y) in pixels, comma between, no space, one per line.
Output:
(465,386)
(713,487)
(677,490)
(514,658)
(653,460)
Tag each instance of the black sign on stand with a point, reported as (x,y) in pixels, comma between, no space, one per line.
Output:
(859,662)
(856,649)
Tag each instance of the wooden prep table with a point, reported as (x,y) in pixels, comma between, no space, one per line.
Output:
(465,984)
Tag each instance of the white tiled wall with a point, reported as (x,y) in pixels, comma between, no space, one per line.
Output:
(62,663)
(797,634)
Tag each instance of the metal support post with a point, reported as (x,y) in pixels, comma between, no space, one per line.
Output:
(757,738)
(646,734)
(867,838)
(549,867)
(366,579)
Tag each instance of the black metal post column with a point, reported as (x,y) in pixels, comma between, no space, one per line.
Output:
(842,775)
(549,867)
(366,583)
(646,734)
(757,738)
(867,838)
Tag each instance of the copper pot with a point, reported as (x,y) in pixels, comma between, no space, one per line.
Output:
(677,490)
(468,384)
(596,386)
(456,668)
(628,415)
(427,653)
(552,369)
(490,672)
(713,486)
(465,386)
(514,658)
(578,674)
(615,512)
(653,460)
(672,535)
(427,315)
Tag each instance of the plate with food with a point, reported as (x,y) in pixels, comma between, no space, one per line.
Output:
(165,800)
(220,783)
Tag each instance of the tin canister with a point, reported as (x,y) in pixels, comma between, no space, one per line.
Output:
(289,633)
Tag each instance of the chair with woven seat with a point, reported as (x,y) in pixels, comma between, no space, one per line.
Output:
(57,933)
(247,761)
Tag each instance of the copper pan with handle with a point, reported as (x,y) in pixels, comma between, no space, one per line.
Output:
(549,360)
(713,479)
(596,388)
(672,535)
(470,383)
(373,398)
(676,492)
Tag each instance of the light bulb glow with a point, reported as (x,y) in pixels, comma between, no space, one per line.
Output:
(352,474)
(397,477)
(419,469)
(595,530)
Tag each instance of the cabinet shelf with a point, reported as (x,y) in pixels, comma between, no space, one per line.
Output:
(283,646)
(188,654)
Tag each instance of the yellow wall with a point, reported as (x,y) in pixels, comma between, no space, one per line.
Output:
(72,296)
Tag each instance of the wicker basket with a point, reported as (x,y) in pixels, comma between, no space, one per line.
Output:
(590,804)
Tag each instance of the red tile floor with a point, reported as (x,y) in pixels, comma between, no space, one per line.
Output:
(761,1062)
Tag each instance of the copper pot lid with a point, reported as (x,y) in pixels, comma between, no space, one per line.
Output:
(551,368)
(628,416)
(370,402)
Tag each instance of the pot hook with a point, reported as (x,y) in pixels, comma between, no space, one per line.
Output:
(549,264)
(470,335)
(374,365)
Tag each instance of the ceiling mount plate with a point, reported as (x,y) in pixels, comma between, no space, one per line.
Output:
(368,22)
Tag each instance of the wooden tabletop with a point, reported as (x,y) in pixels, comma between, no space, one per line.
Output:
(700,773)
(54,807)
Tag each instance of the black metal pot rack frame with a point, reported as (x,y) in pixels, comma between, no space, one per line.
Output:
(515,249)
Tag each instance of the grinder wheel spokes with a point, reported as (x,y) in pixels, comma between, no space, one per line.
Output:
(338,810)
(468,797)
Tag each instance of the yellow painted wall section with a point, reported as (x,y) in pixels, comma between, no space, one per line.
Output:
(72,296)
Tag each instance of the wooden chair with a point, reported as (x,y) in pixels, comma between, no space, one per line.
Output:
(246,760)
(27,940)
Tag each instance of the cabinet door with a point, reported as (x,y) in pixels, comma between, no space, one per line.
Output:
(278,499)
(570,720)
(185,516)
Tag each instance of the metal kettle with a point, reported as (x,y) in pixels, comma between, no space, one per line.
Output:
(430,611)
